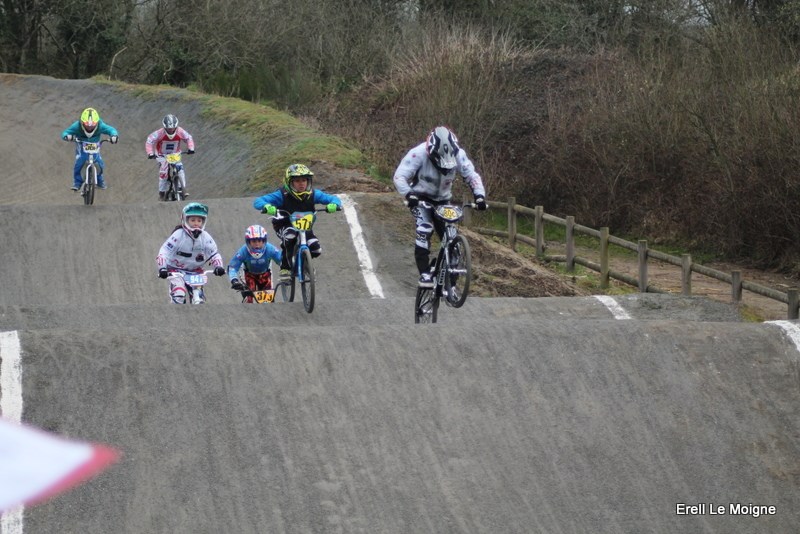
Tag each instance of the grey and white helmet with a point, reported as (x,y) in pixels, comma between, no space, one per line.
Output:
(170,123)
(442,147)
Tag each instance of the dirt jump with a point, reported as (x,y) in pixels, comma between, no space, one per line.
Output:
(643,413)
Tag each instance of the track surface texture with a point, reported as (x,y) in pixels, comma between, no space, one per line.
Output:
(511,415)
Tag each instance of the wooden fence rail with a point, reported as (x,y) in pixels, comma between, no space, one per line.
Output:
(684,262)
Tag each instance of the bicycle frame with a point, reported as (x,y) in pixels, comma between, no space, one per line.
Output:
(175,191)
(301,268)
(194,282)
(89,169)
(447,270)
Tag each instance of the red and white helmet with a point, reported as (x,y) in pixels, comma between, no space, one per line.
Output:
(170,123)
(256,232)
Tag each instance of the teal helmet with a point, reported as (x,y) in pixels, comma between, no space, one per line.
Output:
(194,209)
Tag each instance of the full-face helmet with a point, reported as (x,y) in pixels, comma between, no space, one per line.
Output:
(256,232)
(298,170)
(442,147)
(170,123)
(89,121)
(194,209)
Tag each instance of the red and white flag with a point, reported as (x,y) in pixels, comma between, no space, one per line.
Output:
(36,465)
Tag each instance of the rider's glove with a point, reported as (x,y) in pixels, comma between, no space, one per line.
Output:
(151,156)
(412,200)
(331,208)
(114,139)
(69,137)
(480,203)
(190,151)
(237,284)
(269,209)
(219,271)
(163,273)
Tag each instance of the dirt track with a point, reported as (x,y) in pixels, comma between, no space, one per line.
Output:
(512,415)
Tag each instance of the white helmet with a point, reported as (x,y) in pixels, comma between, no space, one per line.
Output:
(442,147)
(170,123)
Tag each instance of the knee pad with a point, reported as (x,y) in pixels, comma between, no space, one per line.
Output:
(423,238)
(314,247)
(178,295)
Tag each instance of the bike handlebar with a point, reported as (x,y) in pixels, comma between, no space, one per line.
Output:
(81,141)
(427,204)
(288,213)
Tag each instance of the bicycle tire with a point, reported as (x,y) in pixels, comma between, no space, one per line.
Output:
(426,305)
(308,282)
(287,287)
(456,284)
(89,186)
(175,179)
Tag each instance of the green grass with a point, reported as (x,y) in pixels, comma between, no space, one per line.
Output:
(277,138)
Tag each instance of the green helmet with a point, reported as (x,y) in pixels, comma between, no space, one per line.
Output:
(194,209)
(298,170)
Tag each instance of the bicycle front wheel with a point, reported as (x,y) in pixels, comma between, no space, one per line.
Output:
(89,186)
(287,290)
(307,282)
(426,306)
(459,272)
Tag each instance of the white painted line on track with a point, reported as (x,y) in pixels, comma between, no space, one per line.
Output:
(616,310)
(11,409)
(364,261)
(792,330)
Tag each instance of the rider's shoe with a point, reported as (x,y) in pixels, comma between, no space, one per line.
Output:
(185,194)
(426,280)
(102,186)
(75,187)
(285,275)
(162,195)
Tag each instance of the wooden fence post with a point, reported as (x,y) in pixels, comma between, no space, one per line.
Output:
(686,274)
(736,286)
(512,223)
(604,257)
(570,243)
(539,231)
(793,304)
(467,220)
(643,265)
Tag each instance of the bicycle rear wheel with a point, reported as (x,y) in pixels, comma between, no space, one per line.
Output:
(175,185)
(459,272)
(426,306)
(89,186)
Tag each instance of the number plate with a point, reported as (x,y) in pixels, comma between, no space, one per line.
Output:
(196,279)
(264,296)
(173,158)
(304,222)
(449,213)
(90,147)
